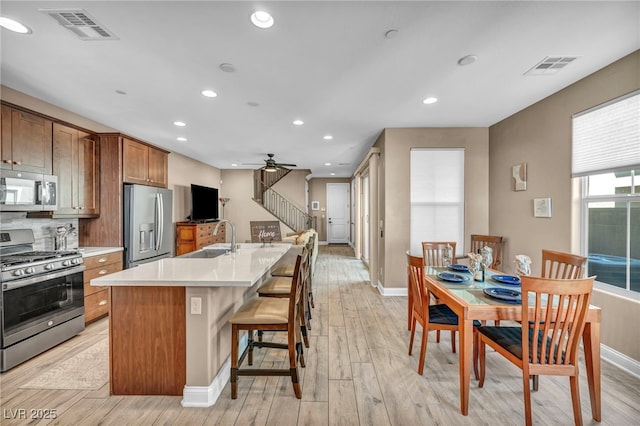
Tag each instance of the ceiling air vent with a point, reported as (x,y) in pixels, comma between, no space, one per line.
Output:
(551,65)
(79,22)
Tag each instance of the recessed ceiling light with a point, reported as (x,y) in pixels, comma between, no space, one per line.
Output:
(181,139)
(14,26)
(209,93)
(298,122)
(466,60)
(121,92)
(261,19)
(234,165)
(253,104)
(327,137)
(430,100)
(391,33)
(333,174)
(180,123)
(327,164)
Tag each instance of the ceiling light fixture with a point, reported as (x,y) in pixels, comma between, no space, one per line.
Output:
(234,165)
(261,19)
(429,100)
(179,123)
(298,122)
(327,164)
(209,93)
(181,139)
(391,33)
(467,60)
(13,25)
(333,174)
(327,137)
(121,92)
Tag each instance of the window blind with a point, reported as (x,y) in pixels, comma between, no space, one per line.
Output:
(607,137)
(437,196)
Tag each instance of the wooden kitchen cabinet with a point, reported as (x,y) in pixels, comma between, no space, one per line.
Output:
(96,299)
(194,236)
(76,162)
(26,142)
(144,164)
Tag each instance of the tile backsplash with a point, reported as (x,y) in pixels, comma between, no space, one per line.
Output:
(44,230)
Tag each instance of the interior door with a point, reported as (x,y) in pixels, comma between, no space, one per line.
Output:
(338,213)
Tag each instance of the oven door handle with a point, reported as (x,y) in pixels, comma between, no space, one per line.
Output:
(12,285)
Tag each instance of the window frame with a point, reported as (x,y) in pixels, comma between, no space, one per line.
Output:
(627,199)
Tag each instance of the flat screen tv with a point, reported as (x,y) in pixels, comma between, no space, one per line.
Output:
(204,203)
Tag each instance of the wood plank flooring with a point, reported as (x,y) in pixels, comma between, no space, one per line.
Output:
(358,373)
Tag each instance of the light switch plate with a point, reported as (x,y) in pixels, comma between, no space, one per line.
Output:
(196,305)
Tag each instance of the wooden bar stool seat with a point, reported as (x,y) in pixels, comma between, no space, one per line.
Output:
(272,314)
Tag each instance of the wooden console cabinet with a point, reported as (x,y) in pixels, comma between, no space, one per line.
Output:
(193,236)
(96,299)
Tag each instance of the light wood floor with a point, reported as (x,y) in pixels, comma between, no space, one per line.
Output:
(358,373)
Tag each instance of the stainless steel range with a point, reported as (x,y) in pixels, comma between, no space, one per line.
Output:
(42,300)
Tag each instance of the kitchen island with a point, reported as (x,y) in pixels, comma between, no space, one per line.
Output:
(168,328)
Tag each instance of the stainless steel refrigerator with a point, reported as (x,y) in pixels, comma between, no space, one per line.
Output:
(148,225)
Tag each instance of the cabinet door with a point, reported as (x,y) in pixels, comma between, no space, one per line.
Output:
(135,159)
(65,166)
(158,167)
(5,143)
(31,143)
(88,176)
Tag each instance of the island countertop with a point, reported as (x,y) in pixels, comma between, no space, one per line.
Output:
(240,269)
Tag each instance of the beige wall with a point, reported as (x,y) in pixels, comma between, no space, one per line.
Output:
(394,172)
(18,98)
(540,136)
(183,171)
(318,192)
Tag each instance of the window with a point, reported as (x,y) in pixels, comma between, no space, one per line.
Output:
(610,190)
(437,197)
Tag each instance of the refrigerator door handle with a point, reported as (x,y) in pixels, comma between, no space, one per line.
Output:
(156,220)
(159,221)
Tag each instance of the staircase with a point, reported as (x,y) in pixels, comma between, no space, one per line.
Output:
(276,203)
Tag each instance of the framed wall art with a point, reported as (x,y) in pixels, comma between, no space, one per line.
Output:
(519,177)
(542,207)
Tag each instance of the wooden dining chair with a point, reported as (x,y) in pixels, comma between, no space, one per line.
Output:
(271,314)
(433,251)
(433,255)
(495,242)
(430,317)
(549,344)
(560,265)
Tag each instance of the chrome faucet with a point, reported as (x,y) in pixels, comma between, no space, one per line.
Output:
(233,233)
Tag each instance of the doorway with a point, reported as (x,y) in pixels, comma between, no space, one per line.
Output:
(338,223)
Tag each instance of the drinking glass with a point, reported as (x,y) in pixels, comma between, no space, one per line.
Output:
(447,255)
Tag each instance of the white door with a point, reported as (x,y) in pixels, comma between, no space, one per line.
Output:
(338,213)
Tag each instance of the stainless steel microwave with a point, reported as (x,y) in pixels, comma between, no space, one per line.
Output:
(24,191)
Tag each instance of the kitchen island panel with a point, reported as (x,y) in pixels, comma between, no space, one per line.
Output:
(147,332)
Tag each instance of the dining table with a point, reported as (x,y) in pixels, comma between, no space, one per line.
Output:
(468,298)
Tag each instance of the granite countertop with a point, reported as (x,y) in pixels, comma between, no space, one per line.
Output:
(97,251)
(241,269)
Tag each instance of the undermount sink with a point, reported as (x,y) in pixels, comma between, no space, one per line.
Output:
(205,253)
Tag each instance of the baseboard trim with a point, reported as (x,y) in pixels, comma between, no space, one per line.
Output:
(397,291)
(620,360)
(206,396)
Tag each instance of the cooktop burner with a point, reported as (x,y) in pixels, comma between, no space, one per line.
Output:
(33,256)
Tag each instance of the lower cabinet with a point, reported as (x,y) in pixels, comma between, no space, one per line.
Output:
(96,299)
(193,236)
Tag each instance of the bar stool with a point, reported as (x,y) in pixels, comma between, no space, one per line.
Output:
(273,314)
(280,287)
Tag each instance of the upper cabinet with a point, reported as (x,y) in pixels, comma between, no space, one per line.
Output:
(76,162)
(144,164)
(26,142)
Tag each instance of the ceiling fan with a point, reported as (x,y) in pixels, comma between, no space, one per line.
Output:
(272,166)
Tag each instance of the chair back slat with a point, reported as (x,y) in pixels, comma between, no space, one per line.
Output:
(433,252)
(415,271)
(495,242)
(560,265)
(297,284)
(557,319)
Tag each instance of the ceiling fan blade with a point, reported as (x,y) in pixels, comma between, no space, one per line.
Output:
(285,165)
